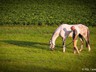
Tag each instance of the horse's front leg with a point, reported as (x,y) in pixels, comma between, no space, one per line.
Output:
(75,47)
(64,48)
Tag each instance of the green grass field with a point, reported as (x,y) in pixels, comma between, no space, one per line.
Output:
(26,49)
(26,27)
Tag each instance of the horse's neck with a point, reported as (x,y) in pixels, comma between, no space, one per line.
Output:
(54,37)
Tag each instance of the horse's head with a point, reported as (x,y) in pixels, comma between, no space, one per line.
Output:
(52,45)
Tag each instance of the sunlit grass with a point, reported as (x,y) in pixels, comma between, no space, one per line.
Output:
(26,49)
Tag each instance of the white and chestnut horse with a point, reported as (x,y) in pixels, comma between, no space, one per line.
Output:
(65,31)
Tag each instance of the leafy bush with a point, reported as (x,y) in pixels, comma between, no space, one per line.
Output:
(47,12)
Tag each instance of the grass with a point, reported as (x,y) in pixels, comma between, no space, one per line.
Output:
(26,49)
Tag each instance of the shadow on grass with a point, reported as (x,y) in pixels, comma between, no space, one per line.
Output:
(28,44)
(29,68)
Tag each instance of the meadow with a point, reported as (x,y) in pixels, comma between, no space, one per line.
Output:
(26,27)
(47,12)
(26,49)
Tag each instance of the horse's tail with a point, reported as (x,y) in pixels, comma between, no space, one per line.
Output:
(88,36)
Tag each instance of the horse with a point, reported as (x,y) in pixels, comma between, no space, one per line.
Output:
(64,30)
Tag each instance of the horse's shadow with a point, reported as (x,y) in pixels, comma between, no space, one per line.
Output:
(31,44)
(28,44)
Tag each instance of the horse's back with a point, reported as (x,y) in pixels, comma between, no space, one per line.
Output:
(83,29)
(83,26)
(66,28)
(61,27)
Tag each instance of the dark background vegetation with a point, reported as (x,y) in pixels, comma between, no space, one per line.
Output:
(47,12)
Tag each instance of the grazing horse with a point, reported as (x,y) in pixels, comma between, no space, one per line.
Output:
(65,31)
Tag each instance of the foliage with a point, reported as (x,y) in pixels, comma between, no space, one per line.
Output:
(47,12)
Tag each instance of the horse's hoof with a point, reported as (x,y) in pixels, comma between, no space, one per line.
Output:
(52,49)
(89,50)
(80,50)
(74,52)
(64,51)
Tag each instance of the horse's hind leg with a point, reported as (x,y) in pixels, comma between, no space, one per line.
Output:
(89,49)
(82,42)
(87,43)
